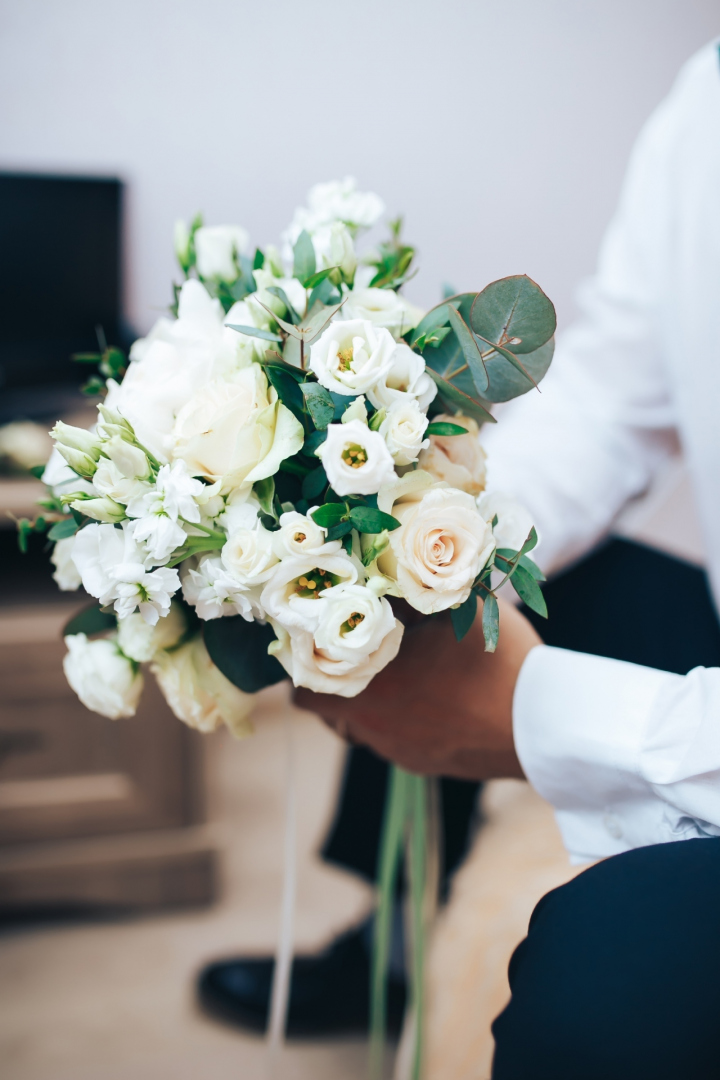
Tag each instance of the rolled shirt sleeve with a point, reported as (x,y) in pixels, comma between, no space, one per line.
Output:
(627,755)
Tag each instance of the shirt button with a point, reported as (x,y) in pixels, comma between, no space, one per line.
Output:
(613,826)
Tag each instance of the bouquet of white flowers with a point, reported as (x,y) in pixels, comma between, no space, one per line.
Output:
(295,446)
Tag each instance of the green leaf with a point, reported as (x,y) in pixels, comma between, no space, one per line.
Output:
(313,441)
(470,348)
(531,541)
(464,616)
(514,311)
(240,650)
(491,622)
(347,543)
(254,331)
(275,290)
(529,591)
(329,514)
(319,404)
(62,529)
(265,491)
(91,620)
(503,351)
(304,257)
(506,555)
(325,294)
(461,401)
(313,281)
(313,327)
(86,357)
(314,484)
(507,382)
(37,471)
(335,532)
(258,260)
(441,427)
(287,389)
(368,520)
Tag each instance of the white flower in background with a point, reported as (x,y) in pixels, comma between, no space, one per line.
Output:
(97,550)
(334,247)
(514,522)
(356,459)
(198,692)
(351,357)
(66,573)
(169,366)
(383,307)
(335,200)
(299,535)
(236,432)
(296,583)
(217,248)
(24,444)
(441,546)
(356,637)
(140,642)
(293,289)
(356,410)
(403,429)
(213,591)
(105,681)
(405,376)
(457,459)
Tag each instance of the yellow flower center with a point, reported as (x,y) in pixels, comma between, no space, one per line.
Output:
(309,586)
(299,537)
(354,455)
(345,357)
(355,619)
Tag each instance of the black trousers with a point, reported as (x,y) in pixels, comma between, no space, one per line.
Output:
(619,975)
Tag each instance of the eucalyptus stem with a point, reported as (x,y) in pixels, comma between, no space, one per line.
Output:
(417,874)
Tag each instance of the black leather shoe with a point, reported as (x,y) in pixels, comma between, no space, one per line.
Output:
(329,992)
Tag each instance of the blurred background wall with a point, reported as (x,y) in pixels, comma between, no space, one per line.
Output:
(501,129)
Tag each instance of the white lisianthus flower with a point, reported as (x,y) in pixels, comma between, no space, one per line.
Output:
(105,681)
(214,592)
(249,556)
(403,429)
(356,637)
(383,307)
(140,642)
(198,692)
(169,366)
(351,357)
(296,583)
(457,459)
(66,573)
(334,247)
(217,248)
(441,546)
(236,432)
(514,521)
(406,375)
(356,459)
(300,535)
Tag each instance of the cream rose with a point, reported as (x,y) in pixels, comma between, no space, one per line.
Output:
(514,522)
(405,377)
(403,429)
(236,432)
(457,459)
(350,357)
(356,459)
(198,692)
(105,681)
(383,307)
(441,546)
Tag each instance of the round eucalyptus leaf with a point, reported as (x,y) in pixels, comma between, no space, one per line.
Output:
(506,382)
(514,311)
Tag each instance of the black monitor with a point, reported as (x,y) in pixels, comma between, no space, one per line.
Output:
(60,278)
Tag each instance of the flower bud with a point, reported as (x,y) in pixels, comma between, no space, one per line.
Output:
(130,460)
(76,438)
(181,235)
(100,509)
(81,463)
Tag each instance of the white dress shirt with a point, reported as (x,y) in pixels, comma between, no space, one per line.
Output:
(627,755)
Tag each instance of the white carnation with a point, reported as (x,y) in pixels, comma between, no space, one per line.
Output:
(105,681)
(351,357)
(356,459)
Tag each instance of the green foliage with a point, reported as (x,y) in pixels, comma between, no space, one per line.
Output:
(313,441)
(506,382)
(315,279)
(287,390)
(464,616)
(91,620)
(366,519)
(514,311)
(393,260)
(342,529)
(239,649)
(329,514)
(458,401)
(304,258)
(292,314)
(265,491)
(442,428)
(528,590)
(314,484)
(319,404)
(258,260)
(62,529)
(471,350)
(491,622)
(254,331)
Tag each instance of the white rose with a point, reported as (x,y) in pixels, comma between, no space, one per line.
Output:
(334,247)
(248,555)
(172,363)
(214,592)
(350,357)
(291,595)
(356,459)
(140,641)
(441,546)
(457,459)
(299,535)
(383,307)
(514,521)
(66,573)
(236,432)
(105,681)
(216,249)
(357,636)
(403,429)
(406,375)
(198,692)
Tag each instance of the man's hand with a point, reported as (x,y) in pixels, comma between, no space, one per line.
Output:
(443,707)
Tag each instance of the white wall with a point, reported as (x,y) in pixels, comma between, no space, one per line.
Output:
(500,128)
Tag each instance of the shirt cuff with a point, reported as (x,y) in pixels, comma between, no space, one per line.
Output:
(579,725)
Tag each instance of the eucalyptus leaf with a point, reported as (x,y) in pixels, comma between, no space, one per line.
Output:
(470,349)
(304,257)
(529,591)
(491,622)
(62,529)
(368,520)
(464,616)
(254,331)
(319,404)
(314,484)
(275,290)
(313,281)
(506,382)
(442,428)
(313,327)
(514,311)
(461,401)
(287,390)
(91,620)
(240,650)
(336,532)
(312,441)
(274,359)
(289,328)
(325,294)
(509,356)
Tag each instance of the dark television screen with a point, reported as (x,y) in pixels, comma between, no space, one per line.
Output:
(59,275)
